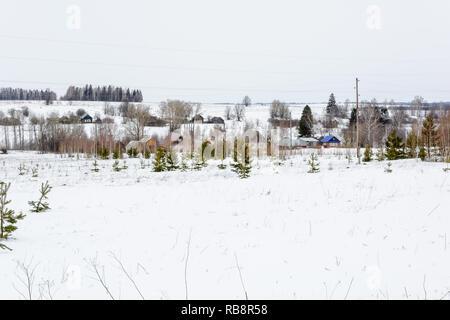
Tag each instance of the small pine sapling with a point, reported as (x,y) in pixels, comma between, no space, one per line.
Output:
(184,165)
(134,152)
(422,153)
(198,163)
(242,168)
(8,218)
(22,169)
(103,153)
(368,154)
(380,154)
(313,164)
(95,164)
(222,166)
(40,205)
(116,167)
(147,154)
(117,154)
(172,161)
(34,172)
(130,153)
(388,169)
(124,166)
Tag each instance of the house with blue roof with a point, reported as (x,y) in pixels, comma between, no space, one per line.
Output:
(330,142)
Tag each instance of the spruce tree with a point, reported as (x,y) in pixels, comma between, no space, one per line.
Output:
(368,154)
(159,163)
(8,218)
(429,135)
(332,108)
(305,126)
(395,148)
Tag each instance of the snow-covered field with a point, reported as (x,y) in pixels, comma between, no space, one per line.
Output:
(349,231)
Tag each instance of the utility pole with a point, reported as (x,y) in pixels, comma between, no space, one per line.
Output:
(290,137)
(357,122)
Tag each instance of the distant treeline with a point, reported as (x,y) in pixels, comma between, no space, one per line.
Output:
(23,94)
(105,93)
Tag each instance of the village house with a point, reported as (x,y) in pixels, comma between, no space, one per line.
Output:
(85,118)
(216,120)
(330,142)
(142,145)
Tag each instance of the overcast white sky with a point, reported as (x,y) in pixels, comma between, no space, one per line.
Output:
(218,51)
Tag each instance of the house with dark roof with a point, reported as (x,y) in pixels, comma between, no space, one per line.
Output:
(85,118)
(216,120)
(330,142)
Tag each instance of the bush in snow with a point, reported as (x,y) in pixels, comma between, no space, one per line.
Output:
(40,205)
(8,218)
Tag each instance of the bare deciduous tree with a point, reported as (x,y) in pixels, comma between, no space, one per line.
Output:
(228,113)
(280,110)
(137,118)
(239,112)
(176,112)
(371,127)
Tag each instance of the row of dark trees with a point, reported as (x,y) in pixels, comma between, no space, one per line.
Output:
(105,93)
(86,93)
(23,94)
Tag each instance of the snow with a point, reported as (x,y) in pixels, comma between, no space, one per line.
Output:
(350,231)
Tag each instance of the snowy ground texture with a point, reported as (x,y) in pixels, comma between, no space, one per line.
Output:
(349,231)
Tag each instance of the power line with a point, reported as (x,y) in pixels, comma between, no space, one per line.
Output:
(164,88)
(141,66)
(203,51)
